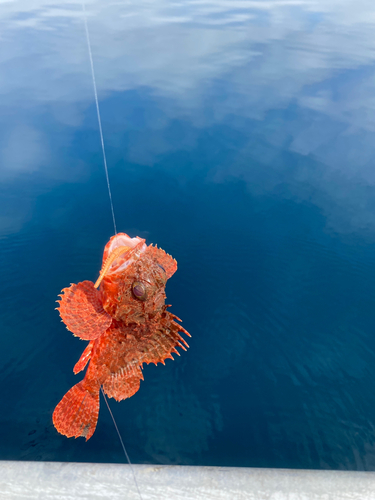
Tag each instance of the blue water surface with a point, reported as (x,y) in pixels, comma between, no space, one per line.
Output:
(240,138)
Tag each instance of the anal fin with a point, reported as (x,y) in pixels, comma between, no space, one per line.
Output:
(124,383)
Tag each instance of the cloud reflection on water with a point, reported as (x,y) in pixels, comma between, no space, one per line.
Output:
(207,62)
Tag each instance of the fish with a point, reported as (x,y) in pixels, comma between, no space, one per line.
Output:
(125,319)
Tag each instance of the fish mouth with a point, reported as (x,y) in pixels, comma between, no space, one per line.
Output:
(133,249)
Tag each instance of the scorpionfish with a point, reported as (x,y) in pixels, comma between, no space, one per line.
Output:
(127,324)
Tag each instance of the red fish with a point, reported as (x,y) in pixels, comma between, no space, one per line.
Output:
(127,324)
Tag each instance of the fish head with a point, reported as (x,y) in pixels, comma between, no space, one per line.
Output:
(133,287)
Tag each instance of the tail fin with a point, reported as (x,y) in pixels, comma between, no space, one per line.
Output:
(77,413)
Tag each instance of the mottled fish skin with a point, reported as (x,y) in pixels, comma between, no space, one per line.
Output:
(127,323)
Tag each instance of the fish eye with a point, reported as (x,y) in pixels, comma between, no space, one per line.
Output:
(139,290)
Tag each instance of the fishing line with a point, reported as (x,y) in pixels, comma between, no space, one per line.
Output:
(113,217)
(98,112)
(122,443)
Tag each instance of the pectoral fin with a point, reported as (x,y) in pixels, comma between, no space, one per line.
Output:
(81,310)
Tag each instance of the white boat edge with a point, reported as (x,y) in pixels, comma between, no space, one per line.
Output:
(76,481)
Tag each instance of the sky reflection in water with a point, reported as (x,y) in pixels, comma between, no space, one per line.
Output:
(240,138)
